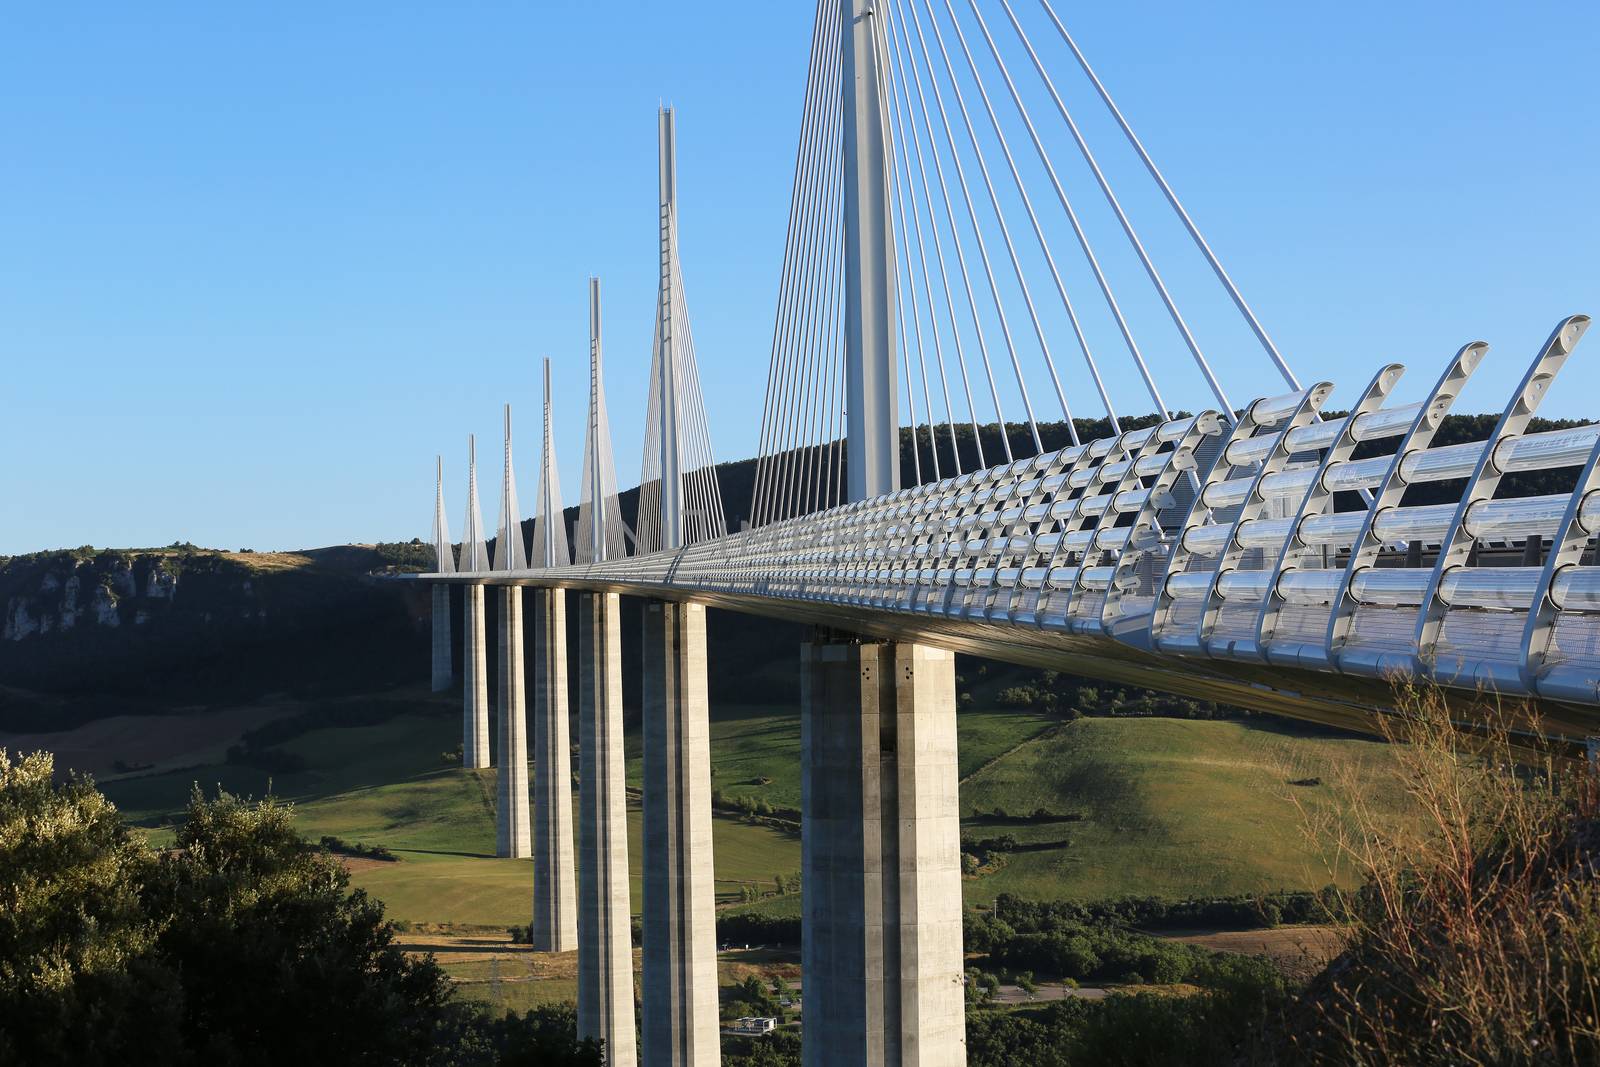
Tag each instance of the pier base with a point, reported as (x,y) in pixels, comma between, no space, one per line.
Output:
(555,898)
(474,680)
(443,673)
(605,946)
(512,833)
(680,939)
(881,857)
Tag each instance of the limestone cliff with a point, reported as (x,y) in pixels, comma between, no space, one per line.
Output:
(114,630)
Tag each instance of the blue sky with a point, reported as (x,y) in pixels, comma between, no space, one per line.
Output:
(258,266)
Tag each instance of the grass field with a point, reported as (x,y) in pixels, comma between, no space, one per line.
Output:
(1166,806)
(1141,806)
(1144,805)
(387,785)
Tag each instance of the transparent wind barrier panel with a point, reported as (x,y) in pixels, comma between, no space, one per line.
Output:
(1243,585)
(1301,622)
(1206,540)
(1086,612)
(1502,588)
(1576,640)
(1389,422)
(1576,589)
(1390,586)
(1183,616)
(1188,585)
(1482,635)
(1265,533)
(1388,627)
(1235,622)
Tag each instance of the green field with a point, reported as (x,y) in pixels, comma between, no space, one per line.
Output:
(1169,807)
(1137,805)
(387,785)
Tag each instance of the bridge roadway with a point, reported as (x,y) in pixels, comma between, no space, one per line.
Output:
(1207,560)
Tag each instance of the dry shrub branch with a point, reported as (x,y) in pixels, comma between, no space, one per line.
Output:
(1475,938)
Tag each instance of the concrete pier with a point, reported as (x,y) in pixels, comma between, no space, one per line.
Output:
(881,857)
(680,941)
(443,675)
(474,680)
(512,833)
(555,898)
(605,950)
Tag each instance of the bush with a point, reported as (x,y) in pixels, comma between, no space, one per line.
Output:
(1476,937)
(239,945)
(341,847)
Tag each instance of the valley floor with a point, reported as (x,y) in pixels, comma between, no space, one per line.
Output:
(1098,808)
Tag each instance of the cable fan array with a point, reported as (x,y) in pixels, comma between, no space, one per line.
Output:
(549,519)
(991,251)
(603,538)
(689,470)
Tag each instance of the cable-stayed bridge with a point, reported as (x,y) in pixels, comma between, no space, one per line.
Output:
(949,290)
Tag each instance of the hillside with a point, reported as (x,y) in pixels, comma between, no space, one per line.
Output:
(88,633)
(1138,805)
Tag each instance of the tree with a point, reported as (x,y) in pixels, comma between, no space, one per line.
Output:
(243,945)
(76,981)
(281,962)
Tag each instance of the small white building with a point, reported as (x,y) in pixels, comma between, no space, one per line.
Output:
(755,1024)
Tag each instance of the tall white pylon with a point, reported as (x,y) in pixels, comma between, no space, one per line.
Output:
(509,553)
(679,501)
(873,462)
(600,534)
(444,556)
(512,835)
(444,553)
(605,948)
(474,552)
(555,908)
(474,631)
(549,520)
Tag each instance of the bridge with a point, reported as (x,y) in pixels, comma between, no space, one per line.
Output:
(1271,554)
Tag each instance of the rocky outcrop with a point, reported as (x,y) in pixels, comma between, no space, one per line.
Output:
(67,591)
(20,622)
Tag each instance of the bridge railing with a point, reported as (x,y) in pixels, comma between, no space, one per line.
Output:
(1267,555)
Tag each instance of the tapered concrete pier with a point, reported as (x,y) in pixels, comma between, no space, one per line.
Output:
(474,680)
(605,950)
(880,856)
(443,675)
(680,939)
(513,835)
(555,897)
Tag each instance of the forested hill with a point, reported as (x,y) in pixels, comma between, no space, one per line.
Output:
(737,479)
(87,633)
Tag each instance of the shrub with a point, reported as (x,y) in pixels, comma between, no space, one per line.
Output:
(1475,937)
(239,945)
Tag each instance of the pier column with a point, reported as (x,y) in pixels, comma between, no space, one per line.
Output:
(442,674)
(881,857)
(605,947)
(475,680)
(512,835)
(555,899)
(680,938)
